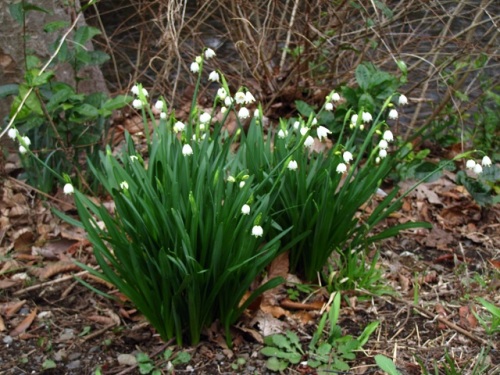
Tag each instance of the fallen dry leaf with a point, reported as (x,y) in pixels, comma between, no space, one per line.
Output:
(428,278)
(23,239)
(7,283)
(269,303)
(276,311)
(252,332)
(104,320)
(467,318)
(114,317)
(495,263)
(24,325)
(73,233)
(279,266)
(460,214)
(438,238)
(442,313)
(404,282)
(423,191)
(55,268)
(293,305)
(268,324)
(53,249)
(305,317)
(406,205)
(10,308)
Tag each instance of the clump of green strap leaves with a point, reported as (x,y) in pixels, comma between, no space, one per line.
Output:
(65,126)
(320,204)
(178,245)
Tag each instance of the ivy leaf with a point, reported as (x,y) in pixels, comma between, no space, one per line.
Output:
(363,76)
(87,110)
(84,34)
(42,79)
(16,12)
(7,90)
(304,109)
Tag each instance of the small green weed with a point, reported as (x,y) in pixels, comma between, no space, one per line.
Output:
(282,350)
(295,290)
(350,270)
(48,364)
(238,364)
(174,359)
(332,350)
(146,365)
(491,324)
(327,351)
(448,366)
(386,364)
(170,359)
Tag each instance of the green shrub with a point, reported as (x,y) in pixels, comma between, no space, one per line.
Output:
(63,126)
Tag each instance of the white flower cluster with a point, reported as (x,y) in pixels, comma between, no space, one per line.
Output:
(257,230)
(195,65)
(179,127)
(141,94)
(141,100)
(242,98)
(292,165)
(332,97)
(282,133)
(24,142)
(366,117)
(478,167)
(342,167)
(136,90)
(383,145)
(322,132)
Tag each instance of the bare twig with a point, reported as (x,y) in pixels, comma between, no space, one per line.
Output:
(49,283)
